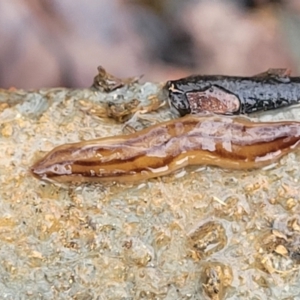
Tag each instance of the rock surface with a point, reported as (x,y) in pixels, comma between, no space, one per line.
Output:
(202,231)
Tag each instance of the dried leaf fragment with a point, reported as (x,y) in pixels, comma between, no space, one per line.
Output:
(280,249)
(106,82)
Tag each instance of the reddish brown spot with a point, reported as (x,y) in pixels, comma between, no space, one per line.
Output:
(213,100)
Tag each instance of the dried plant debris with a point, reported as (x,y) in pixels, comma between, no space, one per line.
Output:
(105,82)
(123,111)
(279,248)
(119,105)
(216,278)
(208,238)
(138,253)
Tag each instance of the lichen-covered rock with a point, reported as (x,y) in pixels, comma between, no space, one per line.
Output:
(131,241)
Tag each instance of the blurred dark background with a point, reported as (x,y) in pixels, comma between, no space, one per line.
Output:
(53,43)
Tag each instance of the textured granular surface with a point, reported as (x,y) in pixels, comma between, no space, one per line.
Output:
(200,233)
